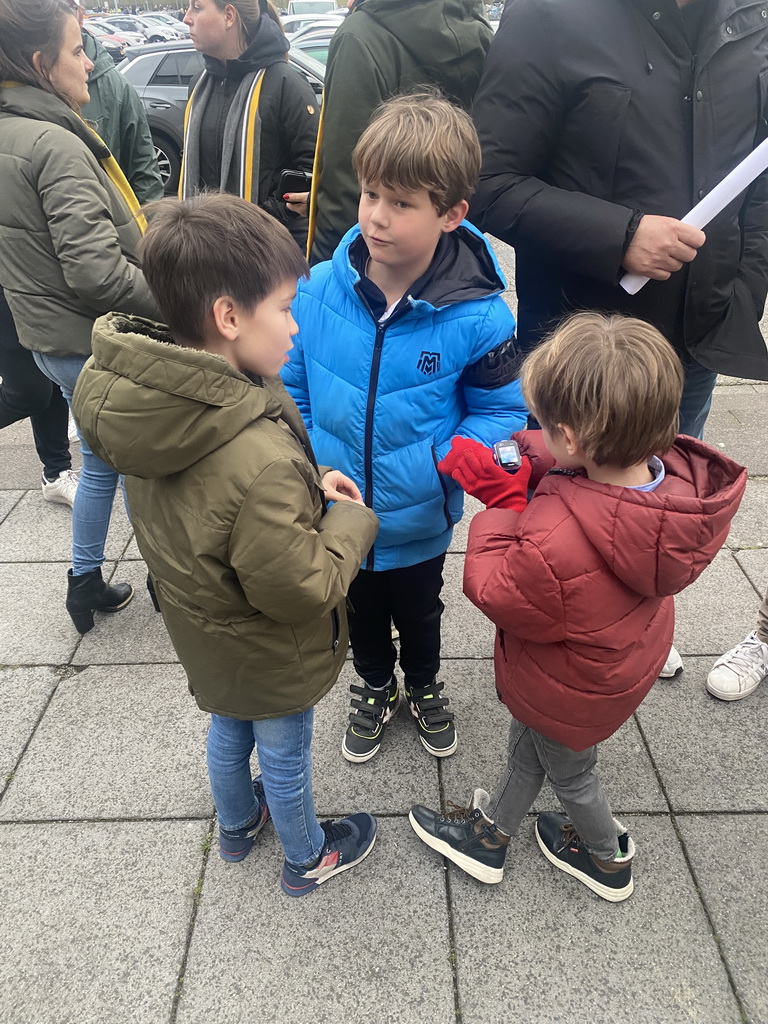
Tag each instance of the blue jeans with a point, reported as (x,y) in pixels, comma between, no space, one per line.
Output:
(96,490)
(285,759)
(696,400)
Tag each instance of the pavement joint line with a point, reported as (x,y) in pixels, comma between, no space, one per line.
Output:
(744,573)
(453,956)
(694,877)
(15,504)
(11,775)
(130,820)
(197,894)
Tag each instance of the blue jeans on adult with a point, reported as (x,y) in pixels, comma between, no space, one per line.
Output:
(96,490)
(285,759)
(696,400)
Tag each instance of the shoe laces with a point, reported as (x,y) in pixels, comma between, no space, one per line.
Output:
(743,655)
(459,814)
(569,835)
(335,831)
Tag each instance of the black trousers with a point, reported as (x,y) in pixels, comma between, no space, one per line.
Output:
(26,391)
(410,598)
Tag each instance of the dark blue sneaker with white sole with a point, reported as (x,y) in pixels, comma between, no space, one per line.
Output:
(235,844)
(347,842)
(562,846)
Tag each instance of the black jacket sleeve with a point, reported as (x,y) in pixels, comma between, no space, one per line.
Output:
(519,109)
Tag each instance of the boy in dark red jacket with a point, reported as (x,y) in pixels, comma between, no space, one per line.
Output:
(579,583)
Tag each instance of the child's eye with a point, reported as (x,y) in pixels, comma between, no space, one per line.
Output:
(401,203)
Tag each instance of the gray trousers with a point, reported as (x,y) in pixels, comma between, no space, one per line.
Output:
(573,776)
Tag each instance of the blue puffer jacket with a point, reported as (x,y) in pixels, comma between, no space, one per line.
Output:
(382,401)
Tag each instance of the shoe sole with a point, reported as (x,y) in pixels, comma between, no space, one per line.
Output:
(438,751)
(352,757)
(605,891)
(671,675)
(482,872)
(317,882)
(56,499)
(733,696)
(118,607)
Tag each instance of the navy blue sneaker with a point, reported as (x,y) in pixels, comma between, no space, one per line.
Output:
(236,844)
(347,842)
(561,845)
(466,836)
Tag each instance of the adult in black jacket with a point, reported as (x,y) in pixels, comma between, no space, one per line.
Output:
(250,114)
(602,122)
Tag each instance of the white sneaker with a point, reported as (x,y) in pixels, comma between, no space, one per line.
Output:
(739,671)
(71,429)
(673,666)
(62,490)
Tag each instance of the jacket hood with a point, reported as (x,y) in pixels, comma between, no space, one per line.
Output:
(156,408)
(38,105)
(435,35)
(463,270)
(94,51)
(657,542)
(268,46)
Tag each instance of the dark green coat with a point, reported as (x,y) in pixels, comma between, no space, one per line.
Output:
(381,48)
(117,114)
(250,569)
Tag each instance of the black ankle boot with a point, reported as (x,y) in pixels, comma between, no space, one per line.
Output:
(89,593)
(152,594)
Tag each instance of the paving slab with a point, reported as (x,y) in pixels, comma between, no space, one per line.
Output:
(24,692)
(749,528)
(711,610)
(710,753)
(735,890)
(116,742)
(741,401)
(540,947)
(39,531)
(755,565)
(402,773)
(466,632)
(8,501)
(137,634)
(34,626)
(482,723)
(95,919)
(352,952)
(461,530)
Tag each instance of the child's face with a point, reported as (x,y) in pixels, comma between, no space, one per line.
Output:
(264,333)
(402,229)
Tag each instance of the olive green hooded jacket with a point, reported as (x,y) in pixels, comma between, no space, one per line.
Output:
(250,568)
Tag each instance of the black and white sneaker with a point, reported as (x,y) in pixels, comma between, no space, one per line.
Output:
(371,710)
(466,836)
(561,845)
(435,723)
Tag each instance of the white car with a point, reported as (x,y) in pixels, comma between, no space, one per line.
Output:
(293,24)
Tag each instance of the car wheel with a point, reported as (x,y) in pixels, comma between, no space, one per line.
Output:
(156,39)
(168,163)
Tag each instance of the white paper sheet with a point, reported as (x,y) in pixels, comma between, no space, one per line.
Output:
(713,202)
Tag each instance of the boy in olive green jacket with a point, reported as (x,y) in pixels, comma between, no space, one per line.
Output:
(250,565)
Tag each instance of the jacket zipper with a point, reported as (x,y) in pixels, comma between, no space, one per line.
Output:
(334,630)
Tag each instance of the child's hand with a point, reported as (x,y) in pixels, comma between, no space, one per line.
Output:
(338,487)
(298,202)
(471,465)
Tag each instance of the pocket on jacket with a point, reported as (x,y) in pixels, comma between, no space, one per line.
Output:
(592,133)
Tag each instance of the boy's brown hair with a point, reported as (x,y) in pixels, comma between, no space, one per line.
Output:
(419,140)
(212,245)
(615,381)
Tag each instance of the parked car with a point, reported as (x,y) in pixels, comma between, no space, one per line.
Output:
(180,30)
(153,32)
(100,29)
(315,7)
(114,47)
(161,74)
(315,41)
(294,23)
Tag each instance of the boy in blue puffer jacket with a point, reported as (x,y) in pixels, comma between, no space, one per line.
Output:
(404,342)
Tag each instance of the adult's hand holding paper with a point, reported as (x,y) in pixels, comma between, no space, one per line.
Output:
(714,202)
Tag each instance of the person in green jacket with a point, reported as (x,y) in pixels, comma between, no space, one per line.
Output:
(118,116)
(250,565)
(381,48)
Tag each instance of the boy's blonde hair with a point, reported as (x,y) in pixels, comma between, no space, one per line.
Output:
(615,381)
(419,140)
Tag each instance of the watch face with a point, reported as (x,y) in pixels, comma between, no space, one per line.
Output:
(507,454)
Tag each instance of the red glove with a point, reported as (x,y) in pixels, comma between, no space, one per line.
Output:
(472,465)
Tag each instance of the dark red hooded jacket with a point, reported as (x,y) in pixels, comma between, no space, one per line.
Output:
(580,584)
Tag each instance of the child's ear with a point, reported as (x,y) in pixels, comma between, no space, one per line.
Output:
(224,313)
(572,445)
(455,215)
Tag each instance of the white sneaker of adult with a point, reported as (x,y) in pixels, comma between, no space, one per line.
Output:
(673,666)
(739,671)
(62,490)
(71,429)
